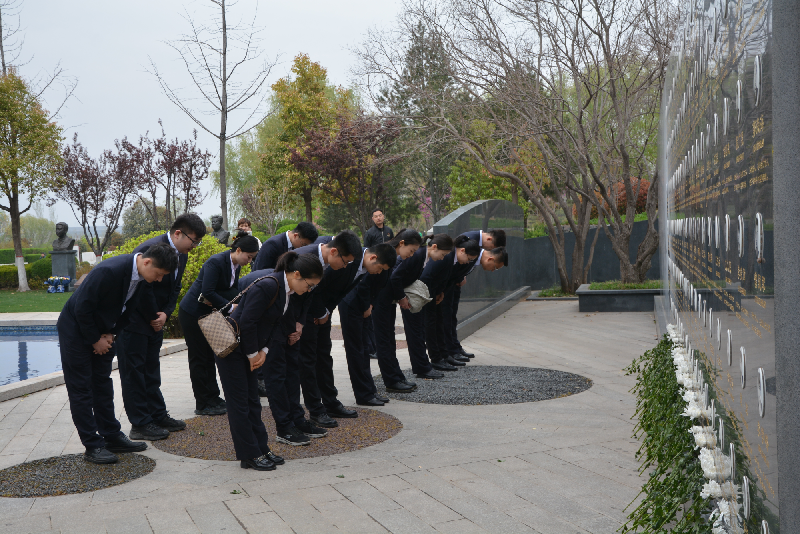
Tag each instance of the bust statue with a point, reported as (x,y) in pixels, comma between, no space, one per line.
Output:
(220,233)
(63,242)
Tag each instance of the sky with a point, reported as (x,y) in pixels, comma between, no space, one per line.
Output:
(105,45)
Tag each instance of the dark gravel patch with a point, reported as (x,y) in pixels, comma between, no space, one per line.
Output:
(209,437)
(491,384)
(64,475)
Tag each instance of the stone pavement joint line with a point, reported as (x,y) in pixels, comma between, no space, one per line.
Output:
(557,466)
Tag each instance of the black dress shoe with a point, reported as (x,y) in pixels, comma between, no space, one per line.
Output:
(150,432)
(173,425)
(274,458)
(452,361)
(443,366)
(460,358)
(262,463)
(409,383)
(123,444)
(323,421)
(342,412)
(371,402)
(213,410)
(400,387)
(384,400)
(100,455)
(431,375)
(467,354)
(262,388)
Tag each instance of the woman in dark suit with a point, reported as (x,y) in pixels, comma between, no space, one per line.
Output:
(259,317)
(404,274)
(215,286)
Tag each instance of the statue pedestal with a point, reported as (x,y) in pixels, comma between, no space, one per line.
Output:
(64,262)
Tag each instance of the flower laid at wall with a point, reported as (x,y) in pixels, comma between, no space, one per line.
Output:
(725,518)
(704,436)
(716,466)
(57,284)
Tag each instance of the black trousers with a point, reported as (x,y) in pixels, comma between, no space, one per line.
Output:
(450,315)
(202,372)
(282,379)
(244,406)
(354,332)
(140,375)
(369,335)
(384,314)
(414,325)
(89,387)
(434,330)
(316,368)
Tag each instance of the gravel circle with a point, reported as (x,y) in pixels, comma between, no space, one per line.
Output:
(68,474)
(476,385)
(209,437)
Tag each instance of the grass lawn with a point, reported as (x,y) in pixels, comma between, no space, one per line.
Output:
(38,300)
(616,284)
(554,291)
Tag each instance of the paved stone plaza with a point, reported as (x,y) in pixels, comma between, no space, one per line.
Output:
(558,466)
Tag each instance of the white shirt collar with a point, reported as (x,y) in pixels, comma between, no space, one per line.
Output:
(361,269)
(233,272)
(480,238)
(135,272)
(175,272)
(477,262)
(289,291)
(321,258)
(427,257)
(291,247)
(455,257)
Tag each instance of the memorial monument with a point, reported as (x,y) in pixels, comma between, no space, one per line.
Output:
(63,256)
(720,256)
(219,232)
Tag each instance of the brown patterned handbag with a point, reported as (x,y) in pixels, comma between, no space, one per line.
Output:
(221,335)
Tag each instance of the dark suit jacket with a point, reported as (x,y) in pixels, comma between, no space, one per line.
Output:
(159,296)
(214,283)
(436,274)
(270,251)
(252,277)
(255,317)
(475,235)
(365,290)
(96,307)
(406,272)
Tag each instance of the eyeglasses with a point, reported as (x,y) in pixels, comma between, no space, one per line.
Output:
(310,286)
(194,243)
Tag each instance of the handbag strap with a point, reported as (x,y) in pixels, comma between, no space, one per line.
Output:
(271,302)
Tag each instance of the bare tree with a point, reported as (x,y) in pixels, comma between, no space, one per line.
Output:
(558,97)
(206,55)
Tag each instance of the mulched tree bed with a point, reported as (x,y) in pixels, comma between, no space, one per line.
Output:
(64,475)
(209,437)
(491,384)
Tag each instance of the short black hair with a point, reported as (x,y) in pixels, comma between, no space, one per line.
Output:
(385,252)
(347,243)
(499,237)
(189,223)
(500,255)
(163,255)
(376,209)
(307,231)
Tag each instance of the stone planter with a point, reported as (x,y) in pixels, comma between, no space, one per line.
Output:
(616,300)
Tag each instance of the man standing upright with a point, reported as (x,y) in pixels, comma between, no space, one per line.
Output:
(140,342)
(379,233)
(99,309)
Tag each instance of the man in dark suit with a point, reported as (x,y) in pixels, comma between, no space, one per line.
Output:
(304,234)
(355,311)
(140,343)
(340,257)
(93,315)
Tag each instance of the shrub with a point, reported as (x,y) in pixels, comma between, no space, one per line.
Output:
(129,245)
(261,236)
(42,268)
(7,254)
(10,280)
(285,228)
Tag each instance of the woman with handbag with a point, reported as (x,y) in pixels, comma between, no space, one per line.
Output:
(259,319)
(406,272)
(214,287)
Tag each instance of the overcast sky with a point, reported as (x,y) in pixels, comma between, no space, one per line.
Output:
(105,45)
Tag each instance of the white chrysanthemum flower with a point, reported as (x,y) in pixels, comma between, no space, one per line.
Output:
(711,490)
(715,465)
(704,436)
(725,518)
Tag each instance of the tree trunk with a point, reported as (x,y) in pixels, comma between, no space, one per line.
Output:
(16,233)
(223,185)
(307,201)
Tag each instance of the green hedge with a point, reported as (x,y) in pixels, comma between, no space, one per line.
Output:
(42,269)
(10,280)
(7,254)
(285,228)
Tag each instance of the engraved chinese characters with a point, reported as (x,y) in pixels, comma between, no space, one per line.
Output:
(718,201)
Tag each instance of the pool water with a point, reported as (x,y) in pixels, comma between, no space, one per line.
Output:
(28,356)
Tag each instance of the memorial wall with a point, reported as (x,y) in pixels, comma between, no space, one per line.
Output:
(717,205)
